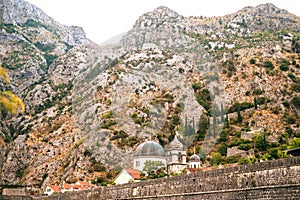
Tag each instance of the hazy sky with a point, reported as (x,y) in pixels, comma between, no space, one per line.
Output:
(102,20)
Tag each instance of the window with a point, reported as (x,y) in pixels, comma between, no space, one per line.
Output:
(137,163)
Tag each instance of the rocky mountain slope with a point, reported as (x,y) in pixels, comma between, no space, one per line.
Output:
(226,84)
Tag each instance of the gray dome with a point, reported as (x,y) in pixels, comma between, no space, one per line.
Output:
(149,149)
(194,158)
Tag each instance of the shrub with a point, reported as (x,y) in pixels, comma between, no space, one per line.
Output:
(223,149)
(258,91)
(296,87)
(284,67)
(268,64)
(290,119)
(216,159)
(296,102)
(260,141)
(252,61)
(245,147)
(233,159)
(99,168)
(240,106)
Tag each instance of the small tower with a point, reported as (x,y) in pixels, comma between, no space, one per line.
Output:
(176,156)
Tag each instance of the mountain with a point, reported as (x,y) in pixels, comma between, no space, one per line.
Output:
(226,85)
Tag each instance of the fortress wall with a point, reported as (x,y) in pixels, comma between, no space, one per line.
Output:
(278,179)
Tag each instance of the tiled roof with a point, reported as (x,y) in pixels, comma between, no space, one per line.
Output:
(192,170)
(136,174)
(55,188)
(67,186)
(84,183)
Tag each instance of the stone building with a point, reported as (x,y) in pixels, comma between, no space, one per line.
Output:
(148,151)
(128,175)
(194,162)
(176,156)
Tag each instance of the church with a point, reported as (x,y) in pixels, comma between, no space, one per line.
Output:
(173,157)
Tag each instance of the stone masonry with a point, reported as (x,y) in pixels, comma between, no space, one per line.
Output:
(278,179)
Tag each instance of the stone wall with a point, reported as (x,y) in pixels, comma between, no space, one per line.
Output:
(279,179)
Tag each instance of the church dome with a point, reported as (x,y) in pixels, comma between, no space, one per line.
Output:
(194,158)
(149,148)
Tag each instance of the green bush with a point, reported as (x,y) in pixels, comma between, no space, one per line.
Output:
(216,159)
(233,159)
(240,106)
(245,147)
(223,149)
(99,168)
(268,64)
(296,87)
(284,67)
(258,91)
(252,61)
(296,102)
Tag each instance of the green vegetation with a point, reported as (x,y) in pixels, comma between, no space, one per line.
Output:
(252,61)
(296,102)
(152,166)
(45,47)
(268,64)
(9,28)
(4,75)
(239,107)
(9,102)
(203,127)
(216,159)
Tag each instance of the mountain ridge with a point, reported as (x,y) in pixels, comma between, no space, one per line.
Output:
(88,107)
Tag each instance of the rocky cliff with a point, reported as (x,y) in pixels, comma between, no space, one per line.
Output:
(221,82)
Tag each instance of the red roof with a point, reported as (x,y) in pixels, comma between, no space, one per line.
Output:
(55,188)
(84,183)
(67,186)
(136,174)
(192,170)
(76,187)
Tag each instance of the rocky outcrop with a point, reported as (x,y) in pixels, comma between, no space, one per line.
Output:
(89,106)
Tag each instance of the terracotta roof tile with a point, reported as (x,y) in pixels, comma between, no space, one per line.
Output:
(192,170)
(67,186)
(55,188)
(136,174)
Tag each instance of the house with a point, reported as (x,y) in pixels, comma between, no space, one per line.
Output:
(83,185)
(128,175)
(66,188)
(50,189)
(76,187)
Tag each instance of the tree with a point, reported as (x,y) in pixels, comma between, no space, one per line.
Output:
(4,75)
(222,112)
(202,127)
(260,141)
(239,117)
(255,103)
(223,149)
(216,159)
(152,166)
